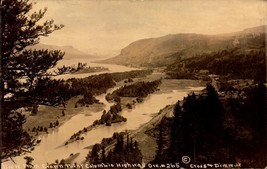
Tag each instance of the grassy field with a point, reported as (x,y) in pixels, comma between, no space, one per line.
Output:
(174,84)
(49,114)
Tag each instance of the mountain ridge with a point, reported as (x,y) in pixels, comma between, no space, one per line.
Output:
(164,50)
(70,51)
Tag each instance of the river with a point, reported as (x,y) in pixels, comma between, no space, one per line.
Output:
(51,147)
(111,68)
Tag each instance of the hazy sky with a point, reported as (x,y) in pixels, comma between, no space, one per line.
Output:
(102,26)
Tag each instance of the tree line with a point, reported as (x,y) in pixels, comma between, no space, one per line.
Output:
(112,116)
(210,129)
(235,63)
(138,89)
(98,84)
(125,150)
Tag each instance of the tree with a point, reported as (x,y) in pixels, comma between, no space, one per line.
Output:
(24,72)
(94,157)
(34,109)
(57,123)
(63,112)
(212,113)
(103,155)
(176,141)
(29,164)
(160,144)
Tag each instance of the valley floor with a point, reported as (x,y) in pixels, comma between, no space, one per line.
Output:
(148,145)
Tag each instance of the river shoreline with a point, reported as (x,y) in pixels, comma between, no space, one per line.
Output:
(147,143)
(48,114)
(169,91)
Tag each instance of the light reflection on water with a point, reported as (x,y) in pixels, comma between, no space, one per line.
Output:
(51,147)
(112,68)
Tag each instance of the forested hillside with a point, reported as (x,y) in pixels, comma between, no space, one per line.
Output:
(235,63)
(214,130)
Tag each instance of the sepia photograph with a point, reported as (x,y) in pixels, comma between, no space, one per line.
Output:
(116,84)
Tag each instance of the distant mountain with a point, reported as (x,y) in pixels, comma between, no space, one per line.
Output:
(165,50)
(70,51)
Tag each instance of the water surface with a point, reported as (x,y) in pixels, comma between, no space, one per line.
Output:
(51,147)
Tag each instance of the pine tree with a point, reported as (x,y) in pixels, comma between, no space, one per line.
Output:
(29,164)
(175,135)
(212,113)
(94,157)
(103,155)
(119,145)
(63,112)
(160,145)
(20,29)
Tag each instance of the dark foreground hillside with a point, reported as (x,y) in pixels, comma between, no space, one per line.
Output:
(215,130)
